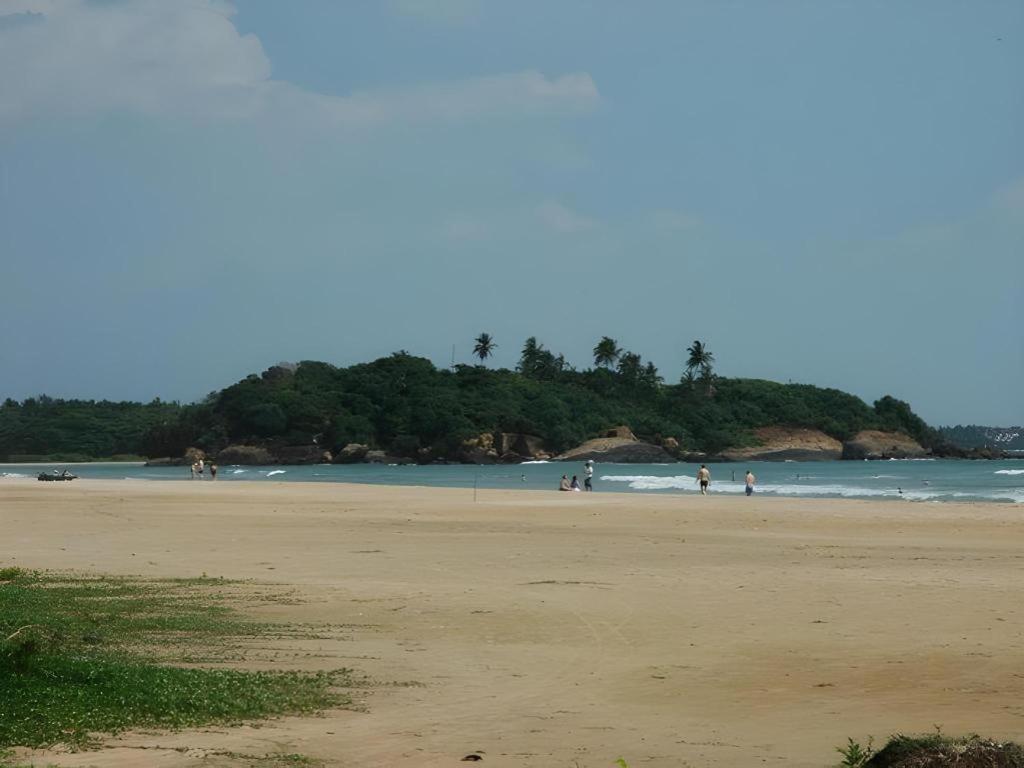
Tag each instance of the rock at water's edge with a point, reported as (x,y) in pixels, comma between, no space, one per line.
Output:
(872,444)
(787,444)
(617,449)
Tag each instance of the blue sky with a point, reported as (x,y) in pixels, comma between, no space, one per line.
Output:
(824,192)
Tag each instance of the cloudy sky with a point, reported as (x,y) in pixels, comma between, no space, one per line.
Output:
(825,192)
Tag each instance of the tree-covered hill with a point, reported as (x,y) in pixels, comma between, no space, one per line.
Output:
(408,407)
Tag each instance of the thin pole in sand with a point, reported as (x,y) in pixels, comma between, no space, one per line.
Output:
(476,478)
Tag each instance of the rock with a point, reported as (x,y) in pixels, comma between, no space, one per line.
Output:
(479,450)
(192,455)
(872,444)
(383,457)
(245,454)
(352,453)
(624,432)
(514,447)
(617,449)
(787,444)
(671,445)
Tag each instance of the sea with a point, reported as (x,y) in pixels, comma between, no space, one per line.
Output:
(912,480)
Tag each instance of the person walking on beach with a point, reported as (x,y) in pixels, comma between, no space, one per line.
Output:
(588,474)
(704,478)
(750,482)
(213,471)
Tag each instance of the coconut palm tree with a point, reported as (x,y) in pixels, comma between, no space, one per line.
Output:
(700,359)
(485,346)
(606,352)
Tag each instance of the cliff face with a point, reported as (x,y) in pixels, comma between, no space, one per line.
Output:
(872,444)
(788,443)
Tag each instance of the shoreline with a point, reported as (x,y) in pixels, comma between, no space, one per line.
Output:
(544,628)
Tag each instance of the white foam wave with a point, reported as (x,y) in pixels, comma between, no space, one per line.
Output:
(688,483)
(273,472)
(538,461)
(1009,472)
(238,471)
(12,474)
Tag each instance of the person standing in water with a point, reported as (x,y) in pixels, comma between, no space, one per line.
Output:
(213,471)
(704,478)
(750,482)
(588,474)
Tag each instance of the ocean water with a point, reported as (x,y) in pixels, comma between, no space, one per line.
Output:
(912,480)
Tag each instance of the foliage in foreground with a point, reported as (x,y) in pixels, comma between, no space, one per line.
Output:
(933,751)
(80,656)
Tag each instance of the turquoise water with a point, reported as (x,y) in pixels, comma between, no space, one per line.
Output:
(922,480)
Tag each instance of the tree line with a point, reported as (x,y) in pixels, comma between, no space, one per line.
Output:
(408,406)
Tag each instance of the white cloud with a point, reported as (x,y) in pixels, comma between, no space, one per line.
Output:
(188,59)
(559,218)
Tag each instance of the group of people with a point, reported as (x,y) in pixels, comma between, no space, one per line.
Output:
(703,479)
(199,468)
(565,484)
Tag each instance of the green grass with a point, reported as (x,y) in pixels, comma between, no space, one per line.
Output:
(87,655)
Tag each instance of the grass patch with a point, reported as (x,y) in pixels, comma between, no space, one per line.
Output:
(934,751)
(87,655)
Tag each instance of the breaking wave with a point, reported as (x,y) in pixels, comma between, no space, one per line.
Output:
(1010,472)
(689,483)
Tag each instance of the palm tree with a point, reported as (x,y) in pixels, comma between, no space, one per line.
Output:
(606,352)
(485,346)
(700,359)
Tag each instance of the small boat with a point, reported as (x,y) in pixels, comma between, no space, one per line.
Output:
(55,476)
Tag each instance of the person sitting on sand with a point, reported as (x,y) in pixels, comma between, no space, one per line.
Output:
(750,482)
(575,484)
(704,478)
(563,484)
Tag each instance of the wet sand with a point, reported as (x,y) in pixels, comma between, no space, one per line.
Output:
(549,629)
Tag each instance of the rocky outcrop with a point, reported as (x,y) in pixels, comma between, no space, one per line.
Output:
(787,444)
(479,450)
(624,450)
(351,453)
(872,444)
(623,432)
(382,457)
(514,447)
(245,454)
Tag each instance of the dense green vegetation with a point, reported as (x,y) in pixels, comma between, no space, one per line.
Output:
(97,655)
(972,436)
(76,430)
(409,407)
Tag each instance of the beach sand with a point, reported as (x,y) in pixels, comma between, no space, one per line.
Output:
(551,629)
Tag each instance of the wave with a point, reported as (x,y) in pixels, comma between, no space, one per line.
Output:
(273,472)
(12,474)
(238,471)
(688,483)
(1009,472)
(537,461)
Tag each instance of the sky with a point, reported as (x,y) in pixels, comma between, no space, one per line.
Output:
(824,192)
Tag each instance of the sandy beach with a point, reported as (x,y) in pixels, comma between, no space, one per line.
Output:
(548,629)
